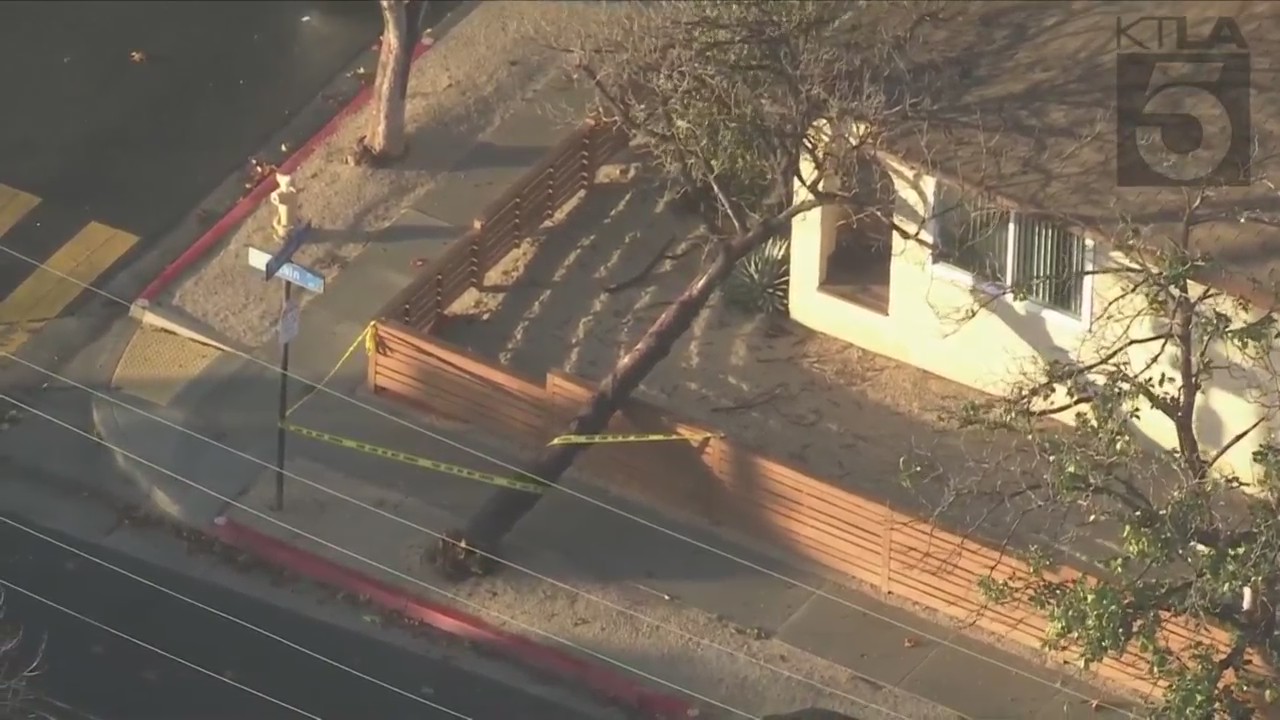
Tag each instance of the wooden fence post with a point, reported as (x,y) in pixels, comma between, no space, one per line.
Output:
(552,177)
(723,458)
(473,252)
(438,281)
(886,549)
(586,174)
(371,360)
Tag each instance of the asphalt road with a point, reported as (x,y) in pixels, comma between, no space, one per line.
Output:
(136,144)
(121,117)
(113,679)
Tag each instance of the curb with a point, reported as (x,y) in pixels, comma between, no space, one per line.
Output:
(247,204)
(161,320)
(143,484)
(602,681)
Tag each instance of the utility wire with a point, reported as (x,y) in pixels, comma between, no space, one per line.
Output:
(396,518)
(375,564)
(601,504)
(232,618)
(13,586)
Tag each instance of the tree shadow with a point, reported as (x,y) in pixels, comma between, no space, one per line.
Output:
(413,233)
(485,154)
(1045,137)
(537,321)
(540,104)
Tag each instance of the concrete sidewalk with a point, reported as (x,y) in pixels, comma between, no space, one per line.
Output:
(782,646)
(855,644)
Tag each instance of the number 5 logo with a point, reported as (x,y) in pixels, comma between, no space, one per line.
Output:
(1182,119)
(1185,131)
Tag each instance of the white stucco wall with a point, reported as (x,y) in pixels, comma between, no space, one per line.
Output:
(931,324)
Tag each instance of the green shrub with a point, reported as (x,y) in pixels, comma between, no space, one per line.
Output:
(759,282)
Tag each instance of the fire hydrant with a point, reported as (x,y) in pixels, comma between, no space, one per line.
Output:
(285,198)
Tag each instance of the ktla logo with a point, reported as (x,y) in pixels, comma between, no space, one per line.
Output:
(1182,104)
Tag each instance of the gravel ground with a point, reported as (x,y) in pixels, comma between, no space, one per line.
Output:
(843,414)
(469,81)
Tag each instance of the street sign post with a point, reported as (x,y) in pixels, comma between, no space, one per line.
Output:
(292,242)
(290,321)
(280,265)
(290,272)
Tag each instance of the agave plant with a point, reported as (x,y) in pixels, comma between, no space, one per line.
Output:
(759,281)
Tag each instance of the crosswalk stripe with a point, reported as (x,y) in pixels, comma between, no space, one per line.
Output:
(14,204)
(47,292)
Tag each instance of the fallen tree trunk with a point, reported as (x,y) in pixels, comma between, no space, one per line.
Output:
(465,552)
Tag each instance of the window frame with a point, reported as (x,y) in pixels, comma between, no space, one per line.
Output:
(940,267)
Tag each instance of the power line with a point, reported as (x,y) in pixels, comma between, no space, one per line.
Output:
(396,518)
(601,504)
(157,650)
(375,564)
(232,618)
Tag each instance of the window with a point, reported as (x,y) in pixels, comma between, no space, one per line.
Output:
(1034,254)
(858,240)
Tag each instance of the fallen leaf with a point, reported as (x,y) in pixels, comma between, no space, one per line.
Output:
(137,56)
(910,642)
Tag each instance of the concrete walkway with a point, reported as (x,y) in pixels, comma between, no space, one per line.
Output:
(856,649)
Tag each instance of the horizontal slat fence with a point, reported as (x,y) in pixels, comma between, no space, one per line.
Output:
(732,487)
(724,484)
(567,170)
(454,384)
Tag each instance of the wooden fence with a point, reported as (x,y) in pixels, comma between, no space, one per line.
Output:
(567,170)
(717,481)
(734,488)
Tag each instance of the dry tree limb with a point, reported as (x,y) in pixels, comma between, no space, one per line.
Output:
(754,401)
(634,280)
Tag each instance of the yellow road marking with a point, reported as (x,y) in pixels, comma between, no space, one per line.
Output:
(47,292)
(14,204)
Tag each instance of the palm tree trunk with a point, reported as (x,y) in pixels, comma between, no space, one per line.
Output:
(385,140)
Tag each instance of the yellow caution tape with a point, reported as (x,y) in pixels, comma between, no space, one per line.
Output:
(628,438)
(529,486)
(368,336)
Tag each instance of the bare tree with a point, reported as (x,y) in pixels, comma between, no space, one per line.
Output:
(734,103)
(1193,549)
(401,28)
(17,667)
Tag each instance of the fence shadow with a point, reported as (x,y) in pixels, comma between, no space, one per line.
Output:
(721,483)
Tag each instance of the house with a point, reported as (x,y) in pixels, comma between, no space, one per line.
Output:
(1014,178)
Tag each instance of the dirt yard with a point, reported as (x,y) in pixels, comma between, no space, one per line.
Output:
(841,413)
(473,77)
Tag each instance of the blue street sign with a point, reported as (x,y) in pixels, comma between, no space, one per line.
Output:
(292,242)
(289,272)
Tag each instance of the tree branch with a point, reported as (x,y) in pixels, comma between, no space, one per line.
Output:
(1235,440)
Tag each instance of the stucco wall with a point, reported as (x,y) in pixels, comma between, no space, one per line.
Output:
(940,322)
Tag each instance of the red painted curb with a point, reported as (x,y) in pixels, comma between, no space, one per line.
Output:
(603,681)
(247,204)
